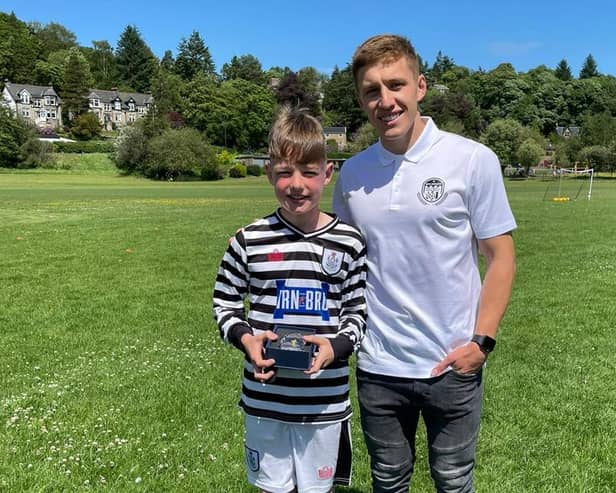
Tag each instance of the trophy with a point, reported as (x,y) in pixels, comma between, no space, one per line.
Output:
(289,350)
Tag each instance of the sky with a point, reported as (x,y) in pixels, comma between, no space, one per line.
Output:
(324,34)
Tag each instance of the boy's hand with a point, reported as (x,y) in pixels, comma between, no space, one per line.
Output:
(325,353)
(253,345)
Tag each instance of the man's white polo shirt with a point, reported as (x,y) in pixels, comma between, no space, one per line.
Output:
(421,214)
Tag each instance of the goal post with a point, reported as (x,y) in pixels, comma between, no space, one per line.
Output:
(569,184)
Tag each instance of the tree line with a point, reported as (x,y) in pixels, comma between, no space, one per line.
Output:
(516,113)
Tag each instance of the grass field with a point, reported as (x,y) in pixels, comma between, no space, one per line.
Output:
(113,378)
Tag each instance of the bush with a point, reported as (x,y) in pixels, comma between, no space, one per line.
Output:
(254,170)
(177,154)
(35,153)
(85,147)
(20,146)
(130,149)
(238,171)
(86,127)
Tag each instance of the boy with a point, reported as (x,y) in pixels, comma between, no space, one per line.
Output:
(426,201)
(301,267)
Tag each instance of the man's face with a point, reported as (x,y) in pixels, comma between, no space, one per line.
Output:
(389,93)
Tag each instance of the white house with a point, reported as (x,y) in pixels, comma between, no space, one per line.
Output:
(40,105)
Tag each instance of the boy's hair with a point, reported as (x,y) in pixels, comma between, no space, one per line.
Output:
(384,48)
(297,136)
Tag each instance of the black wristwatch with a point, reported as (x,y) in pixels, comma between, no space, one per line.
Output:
(485,343)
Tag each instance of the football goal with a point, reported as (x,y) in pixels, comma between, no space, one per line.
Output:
(569,184)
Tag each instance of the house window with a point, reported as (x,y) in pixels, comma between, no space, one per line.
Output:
(96,103)
(131,106)
(118,105)
(25,113)
(118,117)
(141,109)
(25,98)
(50,100)
(51,114)
(37,103)
(107,106)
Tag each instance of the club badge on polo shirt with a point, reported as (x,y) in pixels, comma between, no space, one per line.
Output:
(432,191)
(331,261)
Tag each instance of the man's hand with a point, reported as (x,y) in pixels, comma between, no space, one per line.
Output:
(253,345)
(465,359)
(325,353)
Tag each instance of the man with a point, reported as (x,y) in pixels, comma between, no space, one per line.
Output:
(427,202)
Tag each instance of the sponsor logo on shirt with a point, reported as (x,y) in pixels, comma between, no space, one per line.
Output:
(275,256)
(432,191)
(325,472)
(301,301)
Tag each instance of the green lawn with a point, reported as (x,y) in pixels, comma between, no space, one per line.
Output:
(113,376)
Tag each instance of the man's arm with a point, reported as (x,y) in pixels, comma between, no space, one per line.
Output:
(495,293)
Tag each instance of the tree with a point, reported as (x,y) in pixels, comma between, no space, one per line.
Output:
(563,71)
(503,136)
(291,91)
(193,58)
(597,157)
(19,143)
(135,60)
(53,37)
(167,62)
(77,83)
(86,126)
(529,153)
(313,83)
(245,67)
(339,101)
(166,91)
(589,68)
(103,65)
(19,50)
(442,64)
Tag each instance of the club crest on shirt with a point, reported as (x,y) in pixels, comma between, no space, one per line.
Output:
(252,459)
(432,191)
(331,261)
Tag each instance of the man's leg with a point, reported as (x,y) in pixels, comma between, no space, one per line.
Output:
(389,423)
(452,417)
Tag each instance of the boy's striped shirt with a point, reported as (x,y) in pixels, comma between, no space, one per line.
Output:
(289,277)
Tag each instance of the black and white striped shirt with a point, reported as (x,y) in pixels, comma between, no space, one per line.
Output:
(290,277)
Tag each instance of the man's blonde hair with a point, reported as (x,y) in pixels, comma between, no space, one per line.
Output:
(297,136)
(383,48)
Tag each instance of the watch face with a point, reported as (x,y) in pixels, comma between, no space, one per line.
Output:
(486,343)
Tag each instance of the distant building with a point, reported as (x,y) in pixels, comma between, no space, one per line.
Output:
(339,134)
(440,88)
(568,132)
(116,109)
(253,159)
(39,105)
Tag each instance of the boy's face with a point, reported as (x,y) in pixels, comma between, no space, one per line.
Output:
(389,93)
(298,187)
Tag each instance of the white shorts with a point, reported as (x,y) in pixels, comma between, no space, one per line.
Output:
(281,456)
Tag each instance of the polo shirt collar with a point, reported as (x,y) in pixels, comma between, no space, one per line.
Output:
(426,140)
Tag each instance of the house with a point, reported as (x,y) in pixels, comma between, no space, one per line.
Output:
(338,134)
(116,109)
(568,132)
(40,105)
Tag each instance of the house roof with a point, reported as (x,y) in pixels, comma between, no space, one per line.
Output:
(334,130)
(110,96)
(35,91)
(572,131)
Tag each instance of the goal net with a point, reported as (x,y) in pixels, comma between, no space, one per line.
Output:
(569,184)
